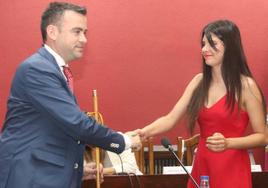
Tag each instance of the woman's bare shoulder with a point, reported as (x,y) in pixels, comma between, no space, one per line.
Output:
(194,83)
(196,79)
(250,88)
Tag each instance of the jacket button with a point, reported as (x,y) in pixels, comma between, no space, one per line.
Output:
(78,142)
(76,165)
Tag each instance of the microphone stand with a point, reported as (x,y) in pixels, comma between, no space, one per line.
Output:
(170,148)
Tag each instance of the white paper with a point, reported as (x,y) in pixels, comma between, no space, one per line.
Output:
(176,169)
(256,168)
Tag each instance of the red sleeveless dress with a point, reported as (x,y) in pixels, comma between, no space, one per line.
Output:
(230,168)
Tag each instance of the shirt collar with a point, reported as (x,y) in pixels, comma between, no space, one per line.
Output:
(60,61)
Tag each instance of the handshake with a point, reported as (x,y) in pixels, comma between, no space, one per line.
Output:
(136,138)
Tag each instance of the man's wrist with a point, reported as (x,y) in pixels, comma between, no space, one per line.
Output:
(127,141)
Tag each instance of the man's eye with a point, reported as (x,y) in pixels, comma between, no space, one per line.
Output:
(76,32)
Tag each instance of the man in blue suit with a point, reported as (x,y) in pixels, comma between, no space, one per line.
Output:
(45,132)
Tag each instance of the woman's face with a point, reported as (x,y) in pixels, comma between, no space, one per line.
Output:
(213,57)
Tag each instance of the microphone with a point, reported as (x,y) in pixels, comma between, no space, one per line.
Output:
(165,142)
(122,167)
(127,174)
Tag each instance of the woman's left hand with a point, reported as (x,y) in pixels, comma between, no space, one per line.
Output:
(216,142)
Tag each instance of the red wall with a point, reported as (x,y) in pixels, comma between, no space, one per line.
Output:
(140,54)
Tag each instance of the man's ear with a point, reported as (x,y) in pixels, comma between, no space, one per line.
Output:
(52,32)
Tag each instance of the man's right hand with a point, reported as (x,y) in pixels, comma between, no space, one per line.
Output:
(135,140)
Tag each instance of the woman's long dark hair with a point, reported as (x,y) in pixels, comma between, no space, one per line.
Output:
(234,65)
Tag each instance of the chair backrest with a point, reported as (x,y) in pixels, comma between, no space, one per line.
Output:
(189,145)
(140,157)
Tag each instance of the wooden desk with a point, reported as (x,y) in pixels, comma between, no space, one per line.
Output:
(260,180)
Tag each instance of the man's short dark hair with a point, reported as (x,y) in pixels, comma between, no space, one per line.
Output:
(54,12)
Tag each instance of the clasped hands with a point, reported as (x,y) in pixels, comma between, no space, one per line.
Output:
(137,137)
(135,140)
(217,142)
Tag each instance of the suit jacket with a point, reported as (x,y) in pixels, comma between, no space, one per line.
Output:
(45,132)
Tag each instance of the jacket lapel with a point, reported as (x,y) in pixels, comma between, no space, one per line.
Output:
(43,52)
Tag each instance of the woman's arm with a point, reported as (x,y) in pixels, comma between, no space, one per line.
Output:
(168,121)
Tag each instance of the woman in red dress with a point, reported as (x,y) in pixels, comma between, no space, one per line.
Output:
(222,100)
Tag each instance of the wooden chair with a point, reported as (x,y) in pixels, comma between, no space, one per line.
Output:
(140,157)
(189,145)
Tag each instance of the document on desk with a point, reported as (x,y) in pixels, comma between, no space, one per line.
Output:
(176,169)
(256,168)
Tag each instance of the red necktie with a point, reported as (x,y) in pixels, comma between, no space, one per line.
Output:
(67,72)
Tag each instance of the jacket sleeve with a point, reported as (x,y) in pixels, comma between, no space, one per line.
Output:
(47,91)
